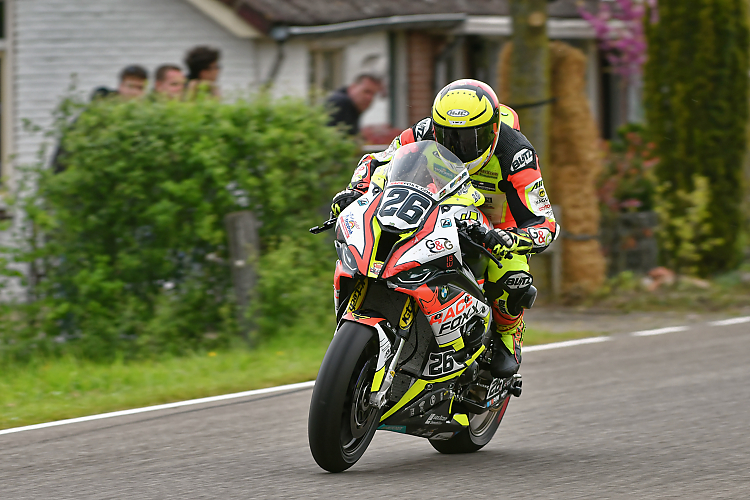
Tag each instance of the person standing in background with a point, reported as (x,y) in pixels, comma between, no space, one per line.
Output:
(170,81)
(348,103)
(203,67)
(133,82)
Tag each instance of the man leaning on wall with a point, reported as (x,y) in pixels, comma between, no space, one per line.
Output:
(347,104)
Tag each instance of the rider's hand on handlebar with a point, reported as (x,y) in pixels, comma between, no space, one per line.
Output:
(343,199)
(502,243)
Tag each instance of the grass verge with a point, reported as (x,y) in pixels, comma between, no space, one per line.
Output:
(67,387)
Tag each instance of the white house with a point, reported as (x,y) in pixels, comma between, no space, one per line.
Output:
(302,47)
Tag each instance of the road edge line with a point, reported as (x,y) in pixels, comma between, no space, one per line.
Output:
(311,383)
(166,406)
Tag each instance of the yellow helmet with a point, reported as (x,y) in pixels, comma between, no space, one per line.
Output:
(466,117)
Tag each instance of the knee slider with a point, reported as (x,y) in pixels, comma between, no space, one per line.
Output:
(521,291)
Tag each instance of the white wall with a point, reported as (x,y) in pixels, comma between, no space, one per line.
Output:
(292,78)
(95,39)
(362,54)
(369,54)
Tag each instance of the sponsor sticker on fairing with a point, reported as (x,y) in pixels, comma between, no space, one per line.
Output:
(438,245)
(349,224)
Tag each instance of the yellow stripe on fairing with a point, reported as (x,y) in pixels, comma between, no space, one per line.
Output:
(376,231)
(461,419)
(418,386)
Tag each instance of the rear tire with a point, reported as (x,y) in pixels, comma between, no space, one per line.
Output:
(481,429)
(342,422)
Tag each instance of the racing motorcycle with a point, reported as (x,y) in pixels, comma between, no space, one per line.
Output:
(412,349)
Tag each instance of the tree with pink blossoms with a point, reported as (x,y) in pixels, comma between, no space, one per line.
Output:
(618,26)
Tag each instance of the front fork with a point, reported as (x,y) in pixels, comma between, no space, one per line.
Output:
(378,398)
(405,323)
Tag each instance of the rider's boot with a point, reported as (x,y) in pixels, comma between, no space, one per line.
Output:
(506,355)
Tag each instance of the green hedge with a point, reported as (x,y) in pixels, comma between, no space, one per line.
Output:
(696,98)
(130,237)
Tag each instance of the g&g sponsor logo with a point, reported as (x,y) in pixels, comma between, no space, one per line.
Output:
(438,245)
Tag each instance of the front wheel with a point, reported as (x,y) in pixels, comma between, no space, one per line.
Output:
(480,431)
(342,421)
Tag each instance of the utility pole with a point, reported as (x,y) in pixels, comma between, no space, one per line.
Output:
(530,75)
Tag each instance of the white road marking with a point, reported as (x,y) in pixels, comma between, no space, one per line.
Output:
(732,321)
(166,406)
(303,385)
(567,343)
(659,331)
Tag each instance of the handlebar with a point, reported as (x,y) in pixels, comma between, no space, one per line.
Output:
(469,232)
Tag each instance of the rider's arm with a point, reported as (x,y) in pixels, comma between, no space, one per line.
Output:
(525,194)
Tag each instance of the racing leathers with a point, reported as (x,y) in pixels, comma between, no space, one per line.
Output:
(516,204)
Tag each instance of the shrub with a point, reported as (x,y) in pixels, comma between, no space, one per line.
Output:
(628,183)
(696,94)
(134,251)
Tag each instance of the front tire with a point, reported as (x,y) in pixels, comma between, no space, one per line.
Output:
(342,422)
(480,431)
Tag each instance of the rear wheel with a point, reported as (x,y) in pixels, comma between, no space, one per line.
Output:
(481,429)
(342,421)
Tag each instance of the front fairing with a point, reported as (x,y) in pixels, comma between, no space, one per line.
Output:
(407,217)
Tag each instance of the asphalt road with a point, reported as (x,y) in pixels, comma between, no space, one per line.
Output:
(664,416)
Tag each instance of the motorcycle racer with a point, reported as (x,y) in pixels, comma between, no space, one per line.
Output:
(468,119)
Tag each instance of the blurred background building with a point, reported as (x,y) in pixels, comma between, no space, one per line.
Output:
(303,48)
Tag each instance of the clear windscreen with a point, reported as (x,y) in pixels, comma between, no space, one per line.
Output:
(428,167)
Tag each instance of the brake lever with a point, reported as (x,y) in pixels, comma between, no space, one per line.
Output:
(463,232)
(329,224)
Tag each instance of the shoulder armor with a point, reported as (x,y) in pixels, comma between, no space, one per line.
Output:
(514,151)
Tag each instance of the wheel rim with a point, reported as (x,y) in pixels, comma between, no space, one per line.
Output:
(479,424)
(361,413)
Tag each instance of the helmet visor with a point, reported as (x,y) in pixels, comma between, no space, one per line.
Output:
(466,143)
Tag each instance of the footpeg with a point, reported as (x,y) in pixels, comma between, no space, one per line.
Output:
(516,386)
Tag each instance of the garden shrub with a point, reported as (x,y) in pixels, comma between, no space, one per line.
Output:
(696,97)
(129,238)
(628,183)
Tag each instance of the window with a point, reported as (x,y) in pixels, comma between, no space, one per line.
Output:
(326,72)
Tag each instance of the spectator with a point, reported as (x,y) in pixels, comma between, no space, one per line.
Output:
(170,81)
(133,81)
(203,66)
(348,103)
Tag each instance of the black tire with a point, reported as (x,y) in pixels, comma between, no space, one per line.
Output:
(341,423)
(481,429)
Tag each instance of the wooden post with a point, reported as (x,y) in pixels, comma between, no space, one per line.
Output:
(244,250)
(530,75)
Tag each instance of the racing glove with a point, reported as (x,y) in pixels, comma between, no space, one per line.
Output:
(503,243)
(343,199)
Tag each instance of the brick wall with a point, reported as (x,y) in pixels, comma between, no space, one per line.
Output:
(421,54)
